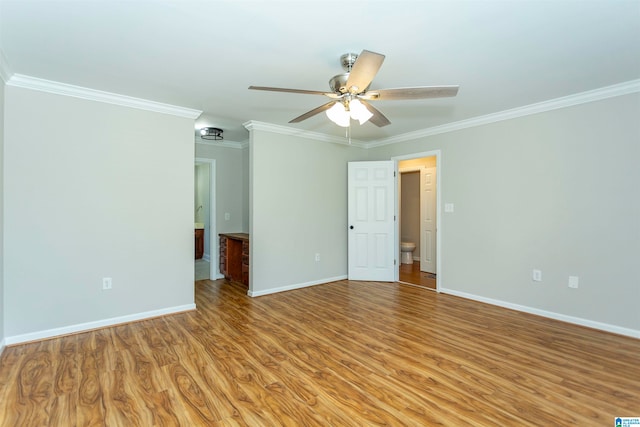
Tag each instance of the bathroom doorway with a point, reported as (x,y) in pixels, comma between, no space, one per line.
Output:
(205,266)
(417,206)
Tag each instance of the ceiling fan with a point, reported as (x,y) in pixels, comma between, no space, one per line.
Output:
(350,92)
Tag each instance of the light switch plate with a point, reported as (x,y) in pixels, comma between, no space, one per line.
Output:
(536,275)
(448,207)
(573,282)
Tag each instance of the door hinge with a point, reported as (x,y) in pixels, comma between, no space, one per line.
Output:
(394,262)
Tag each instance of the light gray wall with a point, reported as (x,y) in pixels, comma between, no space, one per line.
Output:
(299,208)
(231,183)
(557,191)
(2,127)
(94,190)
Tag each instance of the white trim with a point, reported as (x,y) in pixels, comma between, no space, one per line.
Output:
(286,130)
(2,346)
(214,268)
(295,286)
(27,82)
(5,70)
(223,143)
(634,333)
(626,88)
(82,327)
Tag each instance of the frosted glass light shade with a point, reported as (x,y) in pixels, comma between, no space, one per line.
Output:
(359,112)
(338,115)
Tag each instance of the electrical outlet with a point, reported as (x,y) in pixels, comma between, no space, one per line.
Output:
(227,216)
(106,283)
(536,275)
(317,257)
(573,282)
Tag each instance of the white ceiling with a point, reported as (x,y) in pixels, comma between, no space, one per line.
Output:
(204,54)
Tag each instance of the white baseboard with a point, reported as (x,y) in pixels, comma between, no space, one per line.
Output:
(2,346)
(206,257)
(294,286)
(82,327)
(549,314)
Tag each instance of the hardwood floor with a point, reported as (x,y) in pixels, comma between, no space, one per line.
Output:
(340,354)
(410,273)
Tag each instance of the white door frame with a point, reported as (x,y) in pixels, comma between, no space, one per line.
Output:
(438,155)
(214,265)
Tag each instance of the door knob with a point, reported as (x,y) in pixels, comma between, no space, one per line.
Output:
(351,227)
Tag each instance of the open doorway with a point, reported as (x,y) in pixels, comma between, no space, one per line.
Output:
(417,224)
(205,264)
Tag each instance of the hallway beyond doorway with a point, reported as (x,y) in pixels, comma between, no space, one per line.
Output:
(202,271)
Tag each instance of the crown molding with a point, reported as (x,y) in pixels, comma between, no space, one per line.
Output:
(27,82)
(5,71)
(625,88)
(223,143)
(612,91)
(286,130)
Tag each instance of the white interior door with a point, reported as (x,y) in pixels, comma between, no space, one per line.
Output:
(428,213)
(371,220)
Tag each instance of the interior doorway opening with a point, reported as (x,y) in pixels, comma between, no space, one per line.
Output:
(205,266)
(417,220)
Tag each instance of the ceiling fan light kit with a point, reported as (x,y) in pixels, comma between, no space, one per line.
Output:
(341,113)
(359,112)
(350,92)
(338,115)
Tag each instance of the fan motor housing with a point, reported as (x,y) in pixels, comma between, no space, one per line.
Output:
(338,83)
(347,60)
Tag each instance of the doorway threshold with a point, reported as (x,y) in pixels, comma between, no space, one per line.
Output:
(417,286)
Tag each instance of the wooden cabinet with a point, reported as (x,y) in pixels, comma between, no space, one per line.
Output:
(199,243)
(245,262)
(234,257)
(223,255)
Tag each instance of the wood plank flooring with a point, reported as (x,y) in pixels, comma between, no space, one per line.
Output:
(341,354)
(410,273)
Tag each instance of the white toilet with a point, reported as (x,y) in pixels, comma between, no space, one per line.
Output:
(406,252)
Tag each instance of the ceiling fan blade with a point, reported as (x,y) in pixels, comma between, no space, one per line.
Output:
(420,92)
(364,70)
(303,91)
(313,112)
(378,118)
